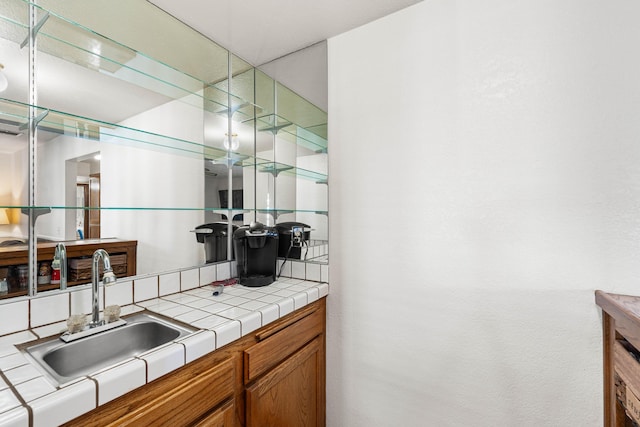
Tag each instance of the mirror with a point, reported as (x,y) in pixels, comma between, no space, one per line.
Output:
(123,79)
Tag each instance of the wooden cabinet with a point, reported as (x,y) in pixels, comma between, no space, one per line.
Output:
(290,394)
(19,255)
(284,374)
(621,358)
(272,377)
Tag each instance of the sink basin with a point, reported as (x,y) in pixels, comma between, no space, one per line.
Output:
(68,361)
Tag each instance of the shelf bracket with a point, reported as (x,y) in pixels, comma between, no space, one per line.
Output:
(36,212)
(35,30)
(275,128)
(275,170)
(233,109)
(36,120)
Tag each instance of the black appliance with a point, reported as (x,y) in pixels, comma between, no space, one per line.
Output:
(293,236)
(256,248)
(214,237)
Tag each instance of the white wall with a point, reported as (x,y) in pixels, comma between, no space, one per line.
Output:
(484,169)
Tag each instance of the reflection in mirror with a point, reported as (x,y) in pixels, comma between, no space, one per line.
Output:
(152,98)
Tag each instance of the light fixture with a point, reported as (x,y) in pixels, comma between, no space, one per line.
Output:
(4,218)
(235,142)
(3,79)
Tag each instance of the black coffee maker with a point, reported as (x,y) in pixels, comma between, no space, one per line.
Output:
(256,249)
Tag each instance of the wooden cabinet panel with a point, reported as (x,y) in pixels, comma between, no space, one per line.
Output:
(268,353)
(181,400)
(289,395)
(223,417)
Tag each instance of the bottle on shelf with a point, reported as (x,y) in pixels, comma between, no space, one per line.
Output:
(55,270)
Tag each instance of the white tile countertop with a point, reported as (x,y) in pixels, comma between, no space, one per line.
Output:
(29,397)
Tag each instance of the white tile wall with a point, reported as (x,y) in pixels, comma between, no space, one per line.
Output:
(15,317)
(81,301)
(223,271)
(169,283)
(144,289)
(189,279)
(208,274)
(313,272)
(286,270)
(298,269)
(49,309)
(120,293)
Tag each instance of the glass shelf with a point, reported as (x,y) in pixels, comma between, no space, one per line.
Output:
(75,43)
(311,138)
(276,169)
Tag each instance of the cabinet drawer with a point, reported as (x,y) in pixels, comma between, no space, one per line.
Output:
(272,350)
(185,403)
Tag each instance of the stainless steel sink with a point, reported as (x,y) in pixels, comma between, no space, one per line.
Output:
(65,362)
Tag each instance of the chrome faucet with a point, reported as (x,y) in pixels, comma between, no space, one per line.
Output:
(108,278)
(61,254)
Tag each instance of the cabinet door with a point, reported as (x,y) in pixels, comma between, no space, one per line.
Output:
(222,417)
(290,394)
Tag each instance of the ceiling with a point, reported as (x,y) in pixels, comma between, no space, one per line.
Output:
(260,31)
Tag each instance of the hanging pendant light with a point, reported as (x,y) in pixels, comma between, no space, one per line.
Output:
(233,144)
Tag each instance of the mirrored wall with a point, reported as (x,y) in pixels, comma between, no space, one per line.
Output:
(120,127)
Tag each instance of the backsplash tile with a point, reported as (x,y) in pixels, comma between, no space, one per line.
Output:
(120,293)
(298,269)
(324,273)
(313,272)
(223,270)
(49,309)
(189,279)
(169,283)
(81,301)
(144,289)
(208,274)
(285,270)
(18,313)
